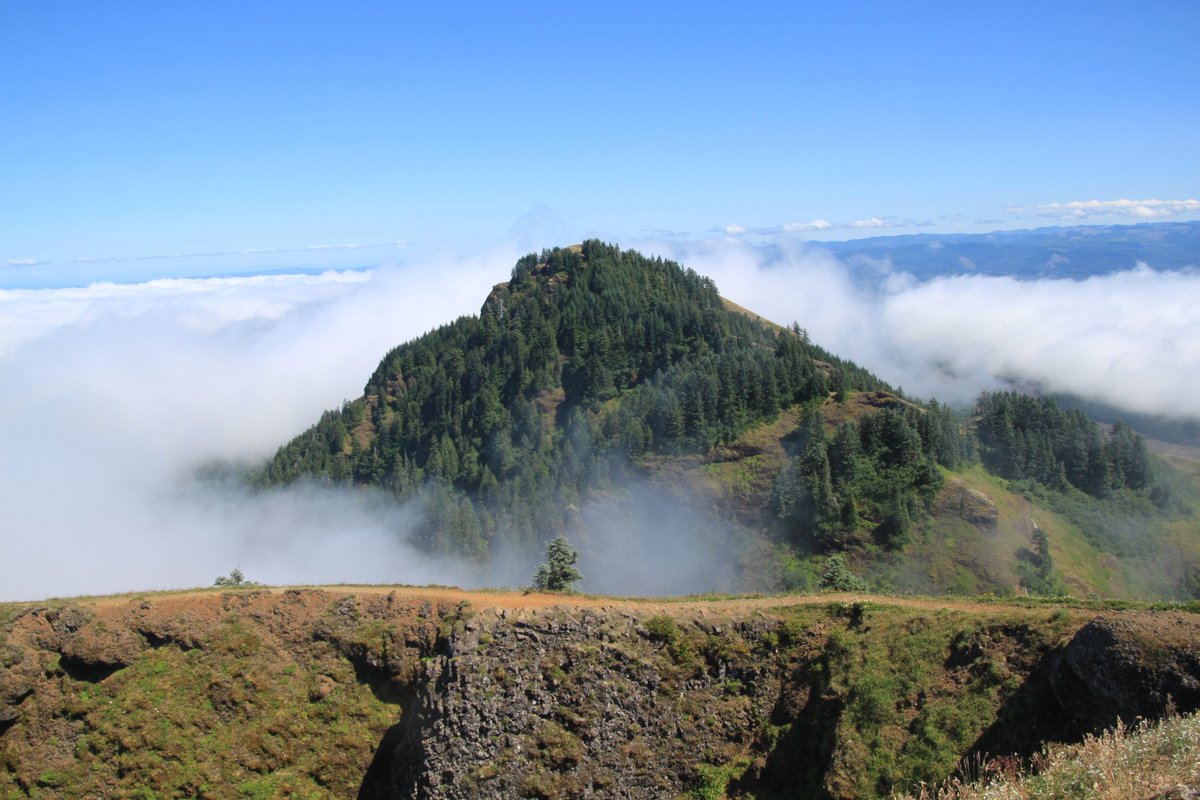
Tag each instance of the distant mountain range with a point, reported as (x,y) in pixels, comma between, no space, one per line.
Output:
(1071,252)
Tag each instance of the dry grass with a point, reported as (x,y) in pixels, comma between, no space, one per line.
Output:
(1154,760)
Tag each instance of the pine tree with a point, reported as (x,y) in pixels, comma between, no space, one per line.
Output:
(837,577)
(558,573)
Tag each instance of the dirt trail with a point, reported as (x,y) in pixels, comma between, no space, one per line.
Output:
(513,600)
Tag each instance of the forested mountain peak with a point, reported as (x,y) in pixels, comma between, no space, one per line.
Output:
(585,353)
(617,398)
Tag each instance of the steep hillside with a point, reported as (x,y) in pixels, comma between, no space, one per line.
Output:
(588,360)
(685,444)
(979,532)
(407,692)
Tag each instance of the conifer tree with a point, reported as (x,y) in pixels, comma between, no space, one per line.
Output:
(558,573)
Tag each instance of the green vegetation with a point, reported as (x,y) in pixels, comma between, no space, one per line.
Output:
(1030,438)
(836,577)
(593,366)
(234,717)
(558,573)
(918,690)
(234,579)
(498,422)
(876,475)
(712,780)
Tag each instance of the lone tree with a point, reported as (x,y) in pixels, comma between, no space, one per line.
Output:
(235,578)
(837,577)
(558,573)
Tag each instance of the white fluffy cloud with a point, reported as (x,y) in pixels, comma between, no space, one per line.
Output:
(815,226)
(802,227)
(1130,338)
(111,395)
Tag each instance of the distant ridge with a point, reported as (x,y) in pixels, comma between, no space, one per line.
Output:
(1052,252)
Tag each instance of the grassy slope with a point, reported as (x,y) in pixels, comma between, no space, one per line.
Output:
(948,554)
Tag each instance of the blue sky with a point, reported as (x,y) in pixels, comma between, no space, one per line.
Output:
(236,136)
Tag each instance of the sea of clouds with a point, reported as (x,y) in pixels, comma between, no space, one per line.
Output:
(112,395)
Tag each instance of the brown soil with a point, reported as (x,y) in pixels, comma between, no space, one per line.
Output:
(195,602)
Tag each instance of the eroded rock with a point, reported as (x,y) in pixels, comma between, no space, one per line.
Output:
(1127,669)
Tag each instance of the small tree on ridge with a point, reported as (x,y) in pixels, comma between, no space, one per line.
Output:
(558,573)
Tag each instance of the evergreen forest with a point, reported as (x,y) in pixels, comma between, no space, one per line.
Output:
(592,363)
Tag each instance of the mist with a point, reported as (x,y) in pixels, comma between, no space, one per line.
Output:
(112,396)
(1130,339)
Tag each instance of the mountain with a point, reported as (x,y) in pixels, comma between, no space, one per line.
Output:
(1076,251)
(685,444)
(400,692)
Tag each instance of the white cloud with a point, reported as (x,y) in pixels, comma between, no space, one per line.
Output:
(815,226)
(23,262)
(801,227)
(1137,209)
(245,251)
(111,395)
(1130,338)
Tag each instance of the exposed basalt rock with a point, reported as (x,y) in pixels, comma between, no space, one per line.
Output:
(18,678)
(94,652)
(1123,669)
(561,704)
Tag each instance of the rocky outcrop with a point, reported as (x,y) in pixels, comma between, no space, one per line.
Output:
(567,703)
(1125,669)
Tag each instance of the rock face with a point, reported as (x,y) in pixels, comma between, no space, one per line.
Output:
(1120,669)
(575,704)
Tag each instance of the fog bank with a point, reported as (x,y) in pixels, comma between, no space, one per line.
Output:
(111,396)
(1131,339)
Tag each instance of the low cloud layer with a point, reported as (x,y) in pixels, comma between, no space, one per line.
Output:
(817,226)
(110,396)
(1130,338)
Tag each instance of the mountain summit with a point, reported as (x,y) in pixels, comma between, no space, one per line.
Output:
(685,444)
(589,358)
